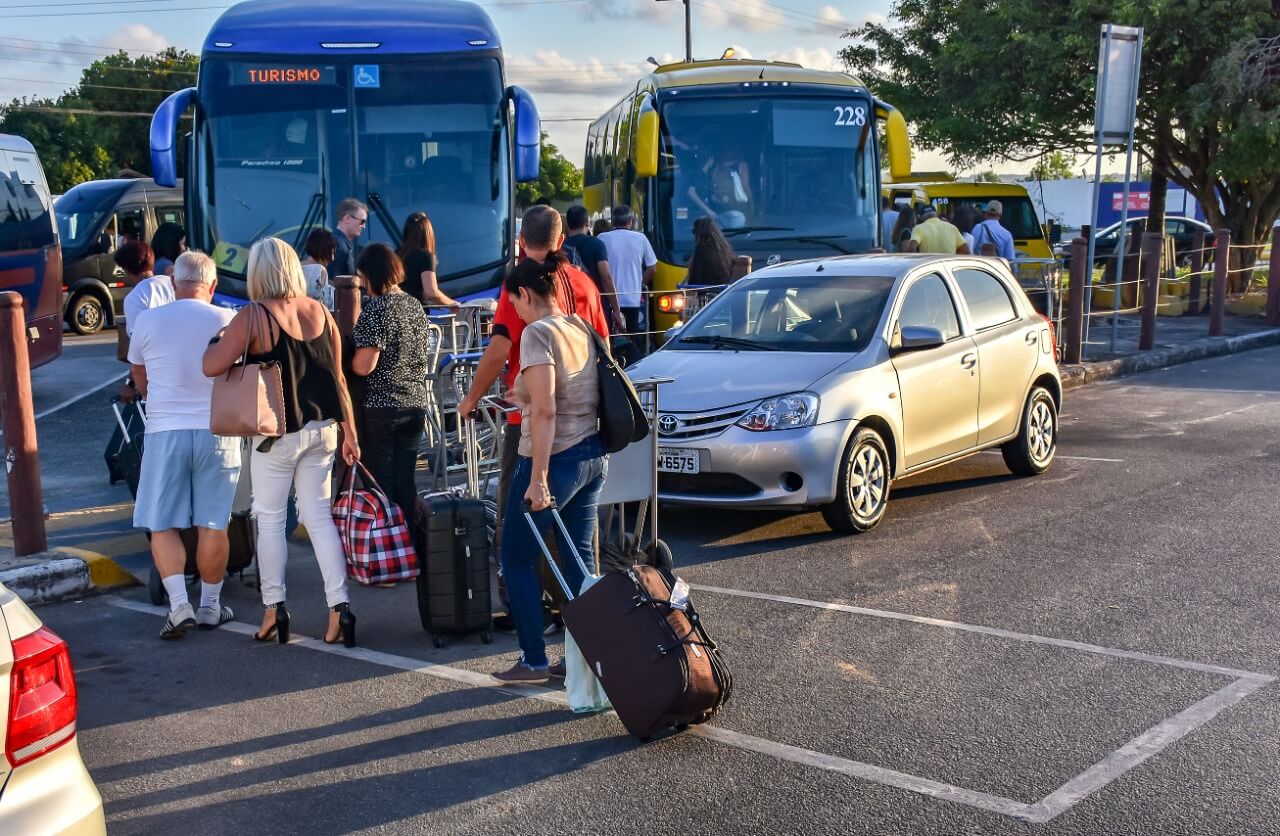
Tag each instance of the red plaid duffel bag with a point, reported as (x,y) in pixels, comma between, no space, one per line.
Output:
(375,538)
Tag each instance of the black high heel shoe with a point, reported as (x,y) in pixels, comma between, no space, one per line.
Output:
(279,630)
(346,627)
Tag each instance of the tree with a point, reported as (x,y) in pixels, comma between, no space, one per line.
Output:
(1053,166)
(987,176)
(558,179)
(76,146)
(1015,78)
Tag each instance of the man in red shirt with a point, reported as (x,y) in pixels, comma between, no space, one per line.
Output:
(541,233)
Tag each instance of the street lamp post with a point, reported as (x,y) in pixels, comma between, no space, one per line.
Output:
(688,31)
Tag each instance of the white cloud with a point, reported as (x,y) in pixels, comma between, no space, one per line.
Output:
(134,38)
(819,58)
(549,72)
(50,68)
(646,10)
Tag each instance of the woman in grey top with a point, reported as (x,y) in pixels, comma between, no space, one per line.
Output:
(561,454)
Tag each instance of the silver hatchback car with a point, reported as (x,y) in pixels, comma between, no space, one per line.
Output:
(818,383)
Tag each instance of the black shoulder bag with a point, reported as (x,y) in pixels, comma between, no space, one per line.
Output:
(622,418)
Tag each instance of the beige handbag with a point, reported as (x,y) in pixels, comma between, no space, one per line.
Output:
(249,399)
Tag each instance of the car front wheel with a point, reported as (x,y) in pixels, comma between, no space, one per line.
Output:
(1031,453)
(863,488)
(86,315)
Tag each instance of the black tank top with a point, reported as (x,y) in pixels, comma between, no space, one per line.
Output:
(307,371)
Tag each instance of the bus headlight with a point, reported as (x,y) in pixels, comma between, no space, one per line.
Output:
(669,303)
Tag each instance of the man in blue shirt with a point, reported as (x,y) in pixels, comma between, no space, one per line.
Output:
(991,232)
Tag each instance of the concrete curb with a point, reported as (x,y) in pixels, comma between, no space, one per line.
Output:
(63,574)
(1075,376)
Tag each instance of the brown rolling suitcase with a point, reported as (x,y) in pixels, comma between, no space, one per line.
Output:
(646,644)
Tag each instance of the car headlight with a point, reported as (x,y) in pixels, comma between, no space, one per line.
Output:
(786,412)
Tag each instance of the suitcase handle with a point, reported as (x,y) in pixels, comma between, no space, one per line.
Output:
(527,507)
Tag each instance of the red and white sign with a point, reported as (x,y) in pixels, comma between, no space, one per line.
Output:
(1140,201)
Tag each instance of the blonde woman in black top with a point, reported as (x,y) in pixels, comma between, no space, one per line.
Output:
(298,333)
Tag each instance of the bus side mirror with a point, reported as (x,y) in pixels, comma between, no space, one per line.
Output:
(647,141)
(897,143)
(164,136)
(528,136)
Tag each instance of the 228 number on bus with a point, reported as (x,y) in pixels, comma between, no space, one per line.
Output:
(847,116)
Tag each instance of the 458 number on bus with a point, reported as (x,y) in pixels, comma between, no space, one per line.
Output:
(847,116)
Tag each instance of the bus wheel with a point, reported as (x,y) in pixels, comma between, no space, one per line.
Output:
(85,314)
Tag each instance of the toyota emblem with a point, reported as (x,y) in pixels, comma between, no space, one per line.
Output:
(773,259)
(667,424)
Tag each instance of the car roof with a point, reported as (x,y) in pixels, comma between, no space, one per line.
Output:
(881,264)
(12,142)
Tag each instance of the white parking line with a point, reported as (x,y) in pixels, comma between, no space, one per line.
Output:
(1067,458)
(69,401)
(1133,753)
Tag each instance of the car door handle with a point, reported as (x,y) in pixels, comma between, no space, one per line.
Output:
(969,361)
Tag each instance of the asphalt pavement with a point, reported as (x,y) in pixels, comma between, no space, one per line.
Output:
(1086,652)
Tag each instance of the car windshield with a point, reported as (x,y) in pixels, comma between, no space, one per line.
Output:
(790,313)
(783,173)
(80,212)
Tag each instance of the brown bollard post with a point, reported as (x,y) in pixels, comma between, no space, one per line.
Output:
(1074,349)
(1273,279)
(1218,297)
(21,458)
(1152,244)
(1197,265)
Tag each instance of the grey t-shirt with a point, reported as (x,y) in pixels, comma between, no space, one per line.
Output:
(559,342)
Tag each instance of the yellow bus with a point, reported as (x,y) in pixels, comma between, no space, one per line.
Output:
(786,158)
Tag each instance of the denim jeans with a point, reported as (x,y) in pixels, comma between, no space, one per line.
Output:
(575,477)
(389,448)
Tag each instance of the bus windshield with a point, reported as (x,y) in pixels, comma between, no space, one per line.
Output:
(284,144)
(778,172)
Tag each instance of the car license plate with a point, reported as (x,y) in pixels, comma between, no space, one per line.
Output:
(677,460)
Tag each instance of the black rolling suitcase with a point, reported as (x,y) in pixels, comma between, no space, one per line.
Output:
(124,451)
(451,537)
(641,635)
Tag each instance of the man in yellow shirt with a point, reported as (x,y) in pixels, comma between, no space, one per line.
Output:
(934,235)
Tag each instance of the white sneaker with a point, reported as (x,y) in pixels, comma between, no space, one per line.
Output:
(179,622)
(209,618)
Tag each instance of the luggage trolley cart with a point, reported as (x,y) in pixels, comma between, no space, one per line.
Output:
(633,479)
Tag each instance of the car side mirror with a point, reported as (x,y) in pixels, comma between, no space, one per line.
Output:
(916,338)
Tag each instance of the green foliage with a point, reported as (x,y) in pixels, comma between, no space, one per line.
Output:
(558,179)
(988,176)
(76,147)
(982,79)
(1053,166)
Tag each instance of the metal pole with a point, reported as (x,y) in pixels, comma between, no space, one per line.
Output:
(688,33)
(1124,208)
(1273,279)
(21,457)
(1221,257)
(1080,268)
(1097,177)
(1197,265)
(1152,243)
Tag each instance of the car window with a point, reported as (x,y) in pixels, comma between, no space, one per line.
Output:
(929,305)
(988,300)
(168,214)
(26,220)
(131,225)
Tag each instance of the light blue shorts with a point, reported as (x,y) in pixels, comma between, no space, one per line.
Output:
(188,478)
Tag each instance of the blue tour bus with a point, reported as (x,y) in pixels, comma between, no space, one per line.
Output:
(402,104)
(30,252)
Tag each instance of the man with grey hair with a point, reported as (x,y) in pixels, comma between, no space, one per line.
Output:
(189,475)
(353,217)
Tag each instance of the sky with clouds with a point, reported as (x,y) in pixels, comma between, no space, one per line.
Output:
(575,56)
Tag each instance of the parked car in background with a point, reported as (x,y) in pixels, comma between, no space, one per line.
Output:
(44,786)
(1181,230)
(816,384)
(94,219)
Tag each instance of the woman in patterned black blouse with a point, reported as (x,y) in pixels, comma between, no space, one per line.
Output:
(391,351)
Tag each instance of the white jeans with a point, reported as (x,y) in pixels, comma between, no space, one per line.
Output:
(303,460)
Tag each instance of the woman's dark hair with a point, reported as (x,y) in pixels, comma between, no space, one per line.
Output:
(321,246)
(601,226)
(906,222)
(136,258)
(713,257)
(167,242)
(418,234)
(542,279)
(380,267)
(964,217)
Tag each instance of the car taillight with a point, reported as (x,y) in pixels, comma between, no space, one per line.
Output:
(671,302)
(42,697)
(1053,335)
